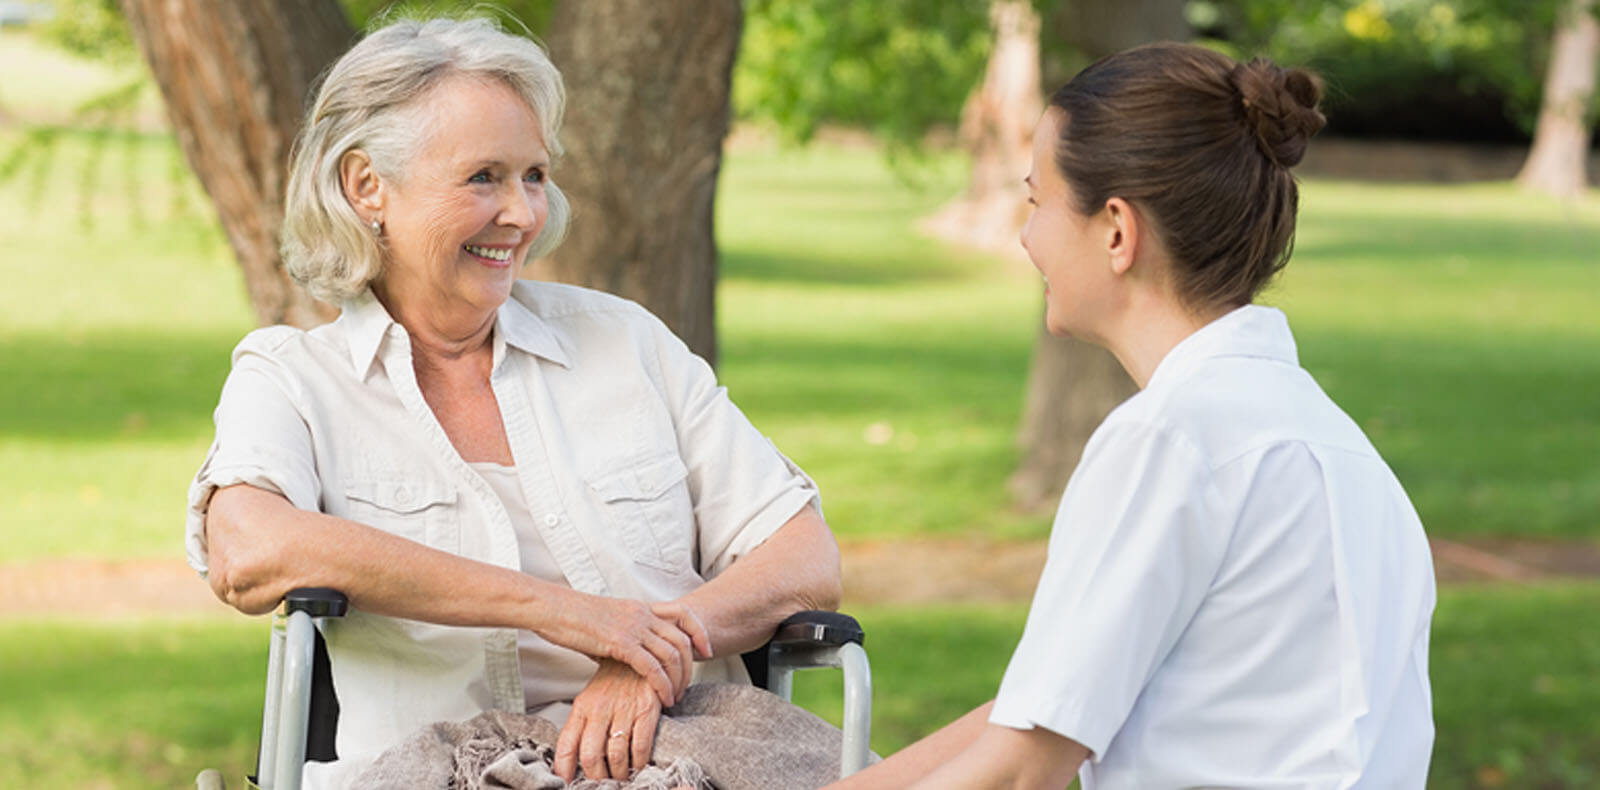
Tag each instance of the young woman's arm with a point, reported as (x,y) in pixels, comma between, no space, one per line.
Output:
(971,753)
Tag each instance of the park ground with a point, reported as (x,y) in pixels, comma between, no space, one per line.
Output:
(906,571)
(1455,322)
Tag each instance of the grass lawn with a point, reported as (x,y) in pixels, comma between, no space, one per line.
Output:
(147,704)
(1454,323)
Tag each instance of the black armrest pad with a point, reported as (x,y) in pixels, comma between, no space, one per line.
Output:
(818,628)
(316,601)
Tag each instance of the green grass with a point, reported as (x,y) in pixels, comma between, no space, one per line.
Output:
(139,704)
(149,703)
(1452,322)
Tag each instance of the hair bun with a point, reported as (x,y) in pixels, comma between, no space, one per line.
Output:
(1280,108)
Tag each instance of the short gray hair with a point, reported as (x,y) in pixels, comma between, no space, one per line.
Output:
(367,102)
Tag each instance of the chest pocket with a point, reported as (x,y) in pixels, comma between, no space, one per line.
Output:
(416,509)
(647,504)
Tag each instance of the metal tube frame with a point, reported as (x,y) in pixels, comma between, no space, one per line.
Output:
(852,660)
(288,703)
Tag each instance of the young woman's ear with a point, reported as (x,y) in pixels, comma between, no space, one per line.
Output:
(361,184)
(1122,234)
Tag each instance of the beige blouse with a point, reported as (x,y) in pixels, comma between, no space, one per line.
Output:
(639,479)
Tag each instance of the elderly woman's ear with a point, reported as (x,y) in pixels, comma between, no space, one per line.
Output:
(362,187)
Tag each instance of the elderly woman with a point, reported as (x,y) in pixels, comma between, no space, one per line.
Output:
(534,495)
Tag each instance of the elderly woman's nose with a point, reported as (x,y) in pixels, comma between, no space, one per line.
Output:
(522,207)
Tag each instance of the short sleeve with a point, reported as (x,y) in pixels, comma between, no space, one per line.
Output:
(1133,552)
(261,440)
(742,487)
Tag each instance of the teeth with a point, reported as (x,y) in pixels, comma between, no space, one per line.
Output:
(488,252)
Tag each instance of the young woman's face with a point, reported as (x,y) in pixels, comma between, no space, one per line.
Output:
(1065,246)
(460,220)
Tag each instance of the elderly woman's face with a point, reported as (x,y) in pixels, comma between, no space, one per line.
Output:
(459,221)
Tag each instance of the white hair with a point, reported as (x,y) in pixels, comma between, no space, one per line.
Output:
(368,103)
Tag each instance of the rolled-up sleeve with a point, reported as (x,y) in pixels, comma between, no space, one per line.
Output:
(743,488)
(262,438)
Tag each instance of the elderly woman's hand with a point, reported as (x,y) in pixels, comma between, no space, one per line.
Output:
(659,642)
(612,727)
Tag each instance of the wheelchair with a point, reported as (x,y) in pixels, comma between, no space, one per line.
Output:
(300,715)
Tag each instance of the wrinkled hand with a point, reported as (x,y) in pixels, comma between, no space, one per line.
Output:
(658,641)
(612,728)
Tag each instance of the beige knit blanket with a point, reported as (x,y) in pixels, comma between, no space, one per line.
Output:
(721,736)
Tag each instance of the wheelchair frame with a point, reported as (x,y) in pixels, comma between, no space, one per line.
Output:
(805,640)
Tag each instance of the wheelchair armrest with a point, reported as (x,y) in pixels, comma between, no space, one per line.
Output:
(827,639)
(315,601)
(816,629)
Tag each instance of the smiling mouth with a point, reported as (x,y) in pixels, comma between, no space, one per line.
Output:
(492,253)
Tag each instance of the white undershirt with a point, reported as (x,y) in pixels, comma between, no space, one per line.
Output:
(549,673)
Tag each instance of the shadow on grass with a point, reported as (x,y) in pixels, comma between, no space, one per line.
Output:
(111,384)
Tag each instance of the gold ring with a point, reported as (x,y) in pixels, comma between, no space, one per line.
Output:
(618,733)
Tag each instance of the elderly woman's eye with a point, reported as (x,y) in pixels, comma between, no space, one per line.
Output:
(480,177)
(534,176)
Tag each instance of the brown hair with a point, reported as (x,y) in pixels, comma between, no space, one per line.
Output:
(1202,146)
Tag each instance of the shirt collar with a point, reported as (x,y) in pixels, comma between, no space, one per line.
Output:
(1248,331)
(366,323)
(523,329)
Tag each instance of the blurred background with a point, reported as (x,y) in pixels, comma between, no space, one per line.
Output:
(823,197)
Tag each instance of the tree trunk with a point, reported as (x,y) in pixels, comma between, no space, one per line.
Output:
(648,107)
(1073,385)
(997,130)
(236,78)
(1561,140)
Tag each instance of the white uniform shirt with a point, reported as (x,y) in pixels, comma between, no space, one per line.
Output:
(643,478)
(1238,591)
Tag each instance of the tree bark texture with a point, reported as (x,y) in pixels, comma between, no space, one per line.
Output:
(997,130)
(1073,385)
(1560,151)
(648,86)
(236,78)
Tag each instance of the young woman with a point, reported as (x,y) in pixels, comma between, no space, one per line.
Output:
(1238,591)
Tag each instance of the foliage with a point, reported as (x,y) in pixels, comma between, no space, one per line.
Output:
(517,15)
(91,29)
(897,67)
(1430,69)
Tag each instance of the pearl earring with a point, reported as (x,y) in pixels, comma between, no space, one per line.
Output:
(377,227)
